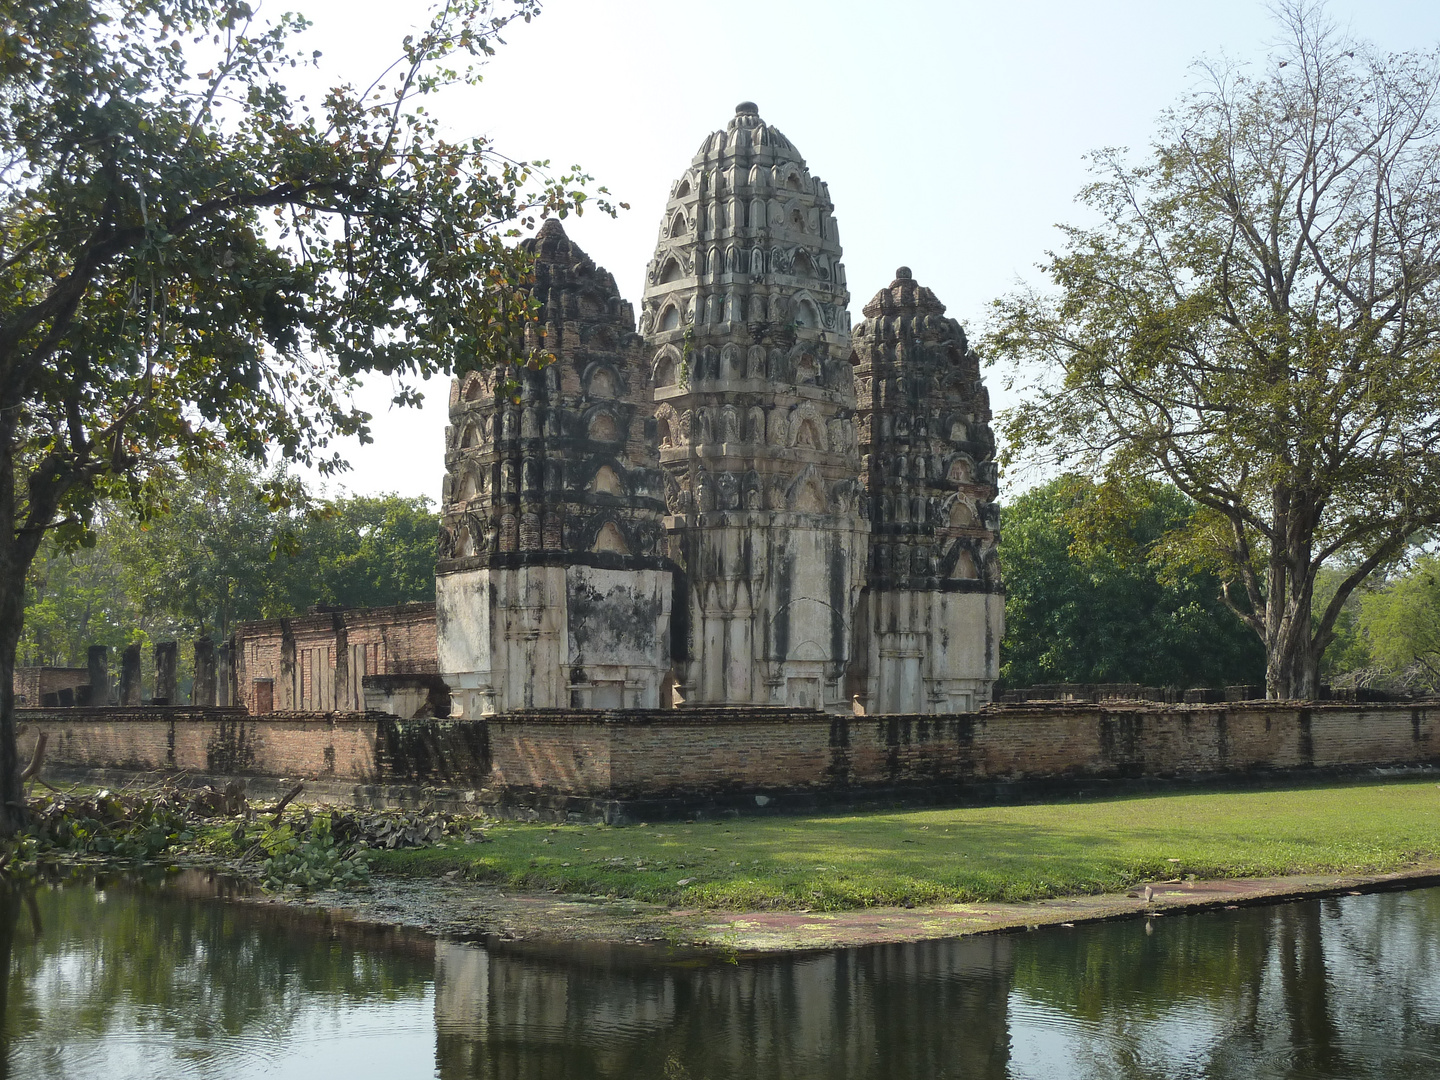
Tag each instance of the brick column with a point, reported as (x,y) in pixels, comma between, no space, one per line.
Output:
(203,692)
(166,654)
(130,675)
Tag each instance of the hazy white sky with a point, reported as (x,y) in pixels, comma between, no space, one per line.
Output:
(951,132)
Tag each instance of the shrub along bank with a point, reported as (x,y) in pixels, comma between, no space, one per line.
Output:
(972,854)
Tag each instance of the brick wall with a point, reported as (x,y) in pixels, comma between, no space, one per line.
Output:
(317,662)
(688,752)
(201,740)
(701,752)
(33,685)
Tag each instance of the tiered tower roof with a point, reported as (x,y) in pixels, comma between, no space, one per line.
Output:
(926,443)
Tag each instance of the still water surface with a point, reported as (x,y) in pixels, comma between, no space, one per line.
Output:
(169,978)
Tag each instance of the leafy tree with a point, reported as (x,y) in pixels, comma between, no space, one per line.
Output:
(1255,321)
(1402,621)
(367,551)
(218,550)
(195,263)
(1089,597)
(75,599)
(1349,651)
(218,555)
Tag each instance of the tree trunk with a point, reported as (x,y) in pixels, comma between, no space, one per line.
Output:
(12,616)
(46,486)
(1292,663)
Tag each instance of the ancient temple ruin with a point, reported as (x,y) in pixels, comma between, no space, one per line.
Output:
(747,333)
(551,588)
(740,504)
(932,612)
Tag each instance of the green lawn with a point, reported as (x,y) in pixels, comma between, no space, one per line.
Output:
(1012,853)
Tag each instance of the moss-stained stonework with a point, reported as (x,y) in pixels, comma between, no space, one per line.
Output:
(932,615)
(551,587)
(748,339)
(703,511)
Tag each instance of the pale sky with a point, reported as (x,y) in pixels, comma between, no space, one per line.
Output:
(952,134)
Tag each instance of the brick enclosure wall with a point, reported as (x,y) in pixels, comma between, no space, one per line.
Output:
(33,684)
(711,751)
(316,662)
(188,739)
(701,752)
(359,747)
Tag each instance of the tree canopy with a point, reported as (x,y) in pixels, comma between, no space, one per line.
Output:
(1254,319)
(1401,625)
(197,263)
(1085,603)
(220,555)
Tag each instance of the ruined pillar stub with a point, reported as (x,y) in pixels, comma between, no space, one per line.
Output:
(97,660)
(203,692)
(225,690)
(130,675)
(166,653)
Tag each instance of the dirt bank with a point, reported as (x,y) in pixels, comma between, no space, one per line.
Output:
(464,909)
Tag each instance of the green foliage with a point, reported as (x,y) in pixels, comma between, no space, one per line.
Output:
(1402,622)
(969,854)
(1254,320)
(119,825)
(197,264)
(365,551)
(220,554)
(312,859)
(1089,596)
(1350,651)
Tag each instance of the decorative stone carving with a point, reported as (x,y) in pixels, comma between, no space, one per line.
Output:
(756,403)
(831,545)
(569,532)
(927,456)
(907,343)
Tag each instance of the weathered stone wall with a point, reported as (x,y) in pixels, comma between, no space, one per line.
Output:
(37,686)
(694,754)
(704,751)
(317,662)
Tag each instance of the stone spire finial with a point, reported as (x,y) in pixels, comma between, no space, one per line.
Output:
(747,108)
(903,295)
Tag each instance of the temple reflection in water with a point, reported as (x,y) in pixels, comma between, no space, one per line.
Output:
(165,978)
(935,1009)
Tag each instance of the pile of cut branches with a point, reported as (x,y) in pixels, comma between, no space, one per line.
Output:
(174,822)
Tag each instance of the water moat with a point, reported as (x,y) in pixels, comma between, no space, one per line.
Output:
(168,976)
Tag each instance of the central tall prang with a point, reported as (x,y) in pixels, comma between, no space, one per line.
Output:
(748,339)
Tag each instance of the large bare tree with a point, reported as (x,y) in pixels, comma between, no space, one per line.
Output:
(1255,320)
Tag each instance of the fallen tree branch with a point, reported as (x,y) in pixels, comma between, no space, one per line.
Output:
(33,769)
(286,800)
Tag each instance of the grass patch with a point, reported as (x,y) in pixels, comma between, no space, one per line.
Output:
(970,854)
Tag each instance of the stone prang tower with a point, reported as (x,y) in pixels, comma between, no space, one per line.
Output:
(933,610)
(748,338)
(550,588)
(706,512)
